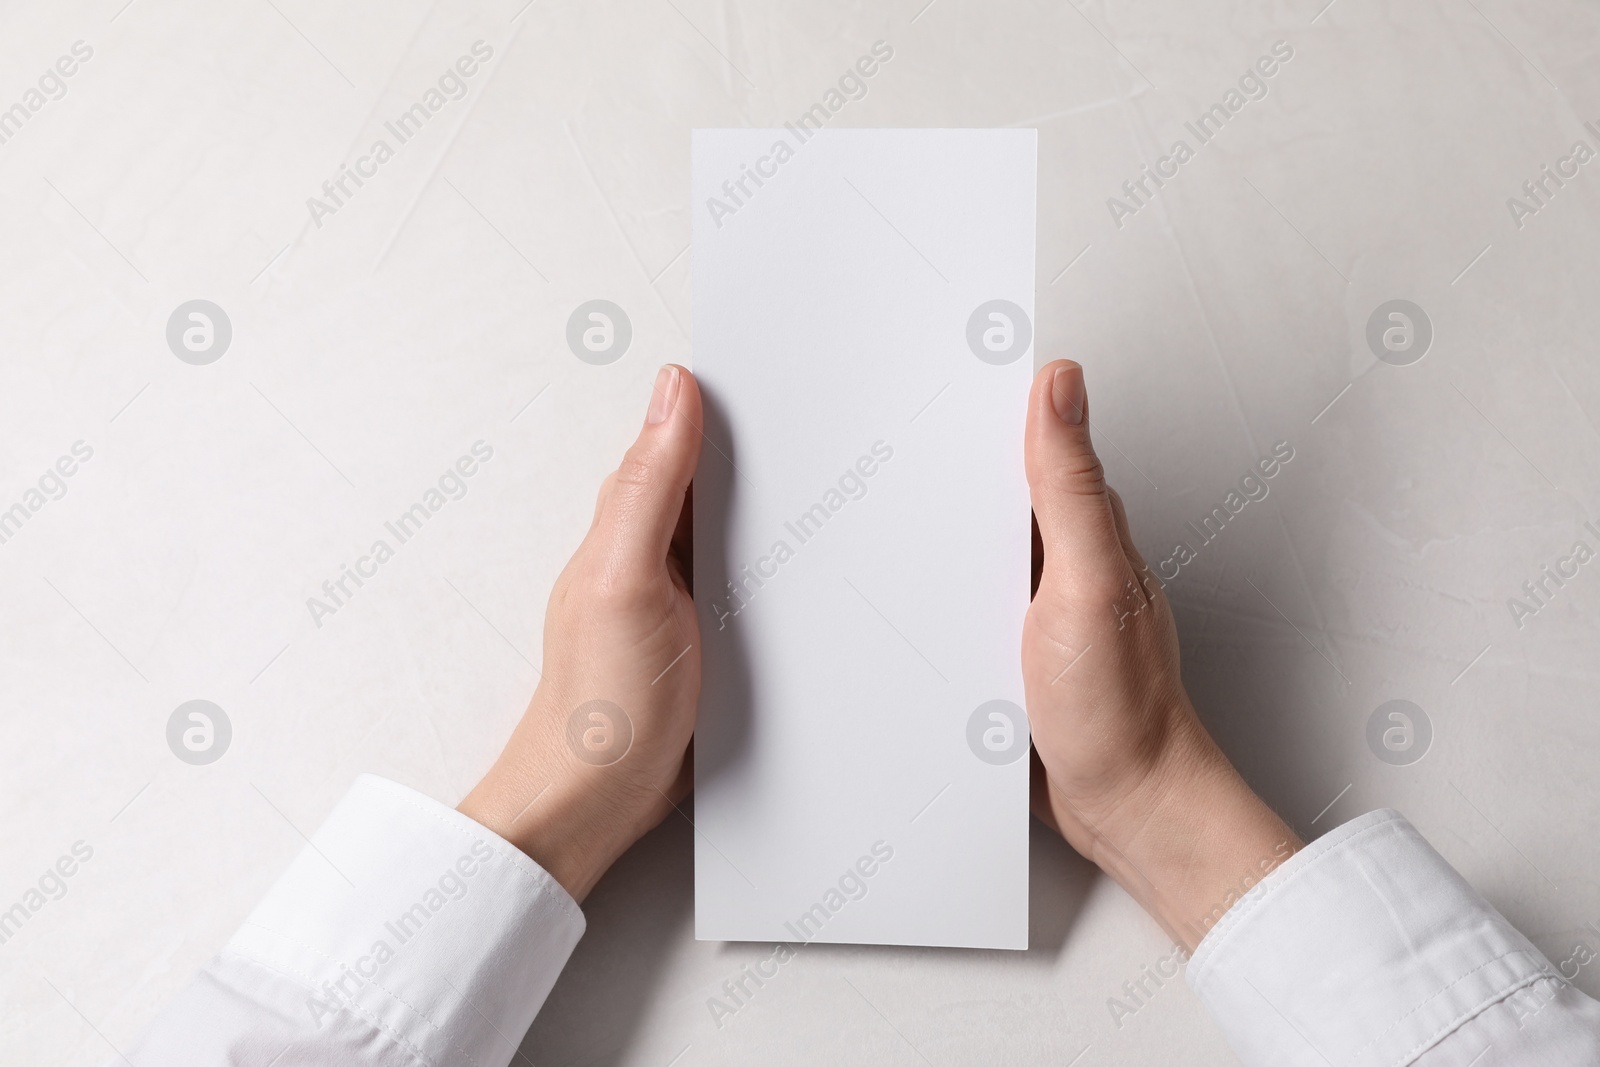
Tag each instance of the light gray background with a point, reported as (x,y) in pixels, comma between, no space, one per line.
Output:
(370,352)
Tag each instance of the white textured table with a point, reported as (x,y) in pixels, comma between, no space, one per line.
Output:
(376,336)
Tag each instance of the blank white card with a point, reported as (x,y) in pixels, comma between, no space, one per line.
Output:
(863,308)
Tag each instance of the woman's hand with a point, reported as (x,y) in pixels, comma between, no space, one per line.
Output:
(1127,772)
(599,756)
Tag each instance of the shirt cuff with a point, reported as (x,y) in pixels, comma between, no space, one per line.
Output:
(409,920)
(1366,946)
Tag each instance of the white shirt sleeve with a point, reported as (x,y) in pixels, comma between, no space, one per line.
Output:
(404,934)
(1368,948)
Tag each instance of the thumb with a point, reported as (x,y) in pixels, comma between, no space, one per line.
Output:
(643,499)
(1070,501)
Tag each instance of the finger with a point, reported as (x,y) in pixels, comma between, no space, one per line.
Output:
(1076,521)
(641,510)
(1038,558)
(1124,535)
(682,551)
(1144,580)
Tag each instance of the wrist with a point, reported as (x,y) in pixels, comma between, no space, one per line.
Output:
(1193,837)
(556,823)
(569,816)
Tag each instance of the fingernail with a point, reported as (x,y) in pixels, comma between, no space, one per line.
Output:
(664,395)
(1066,392)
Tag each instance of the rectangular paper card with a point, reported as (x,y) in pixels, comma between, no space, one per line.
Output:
(863,307)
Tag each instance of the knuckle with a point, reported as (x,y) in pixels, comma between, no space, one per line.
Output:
(1102,592)
(620,582)
(1080,590)
(633,473)
(1080,474)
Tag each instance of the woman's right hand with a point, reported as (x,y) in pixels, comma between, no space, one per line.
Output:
(1126,771)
